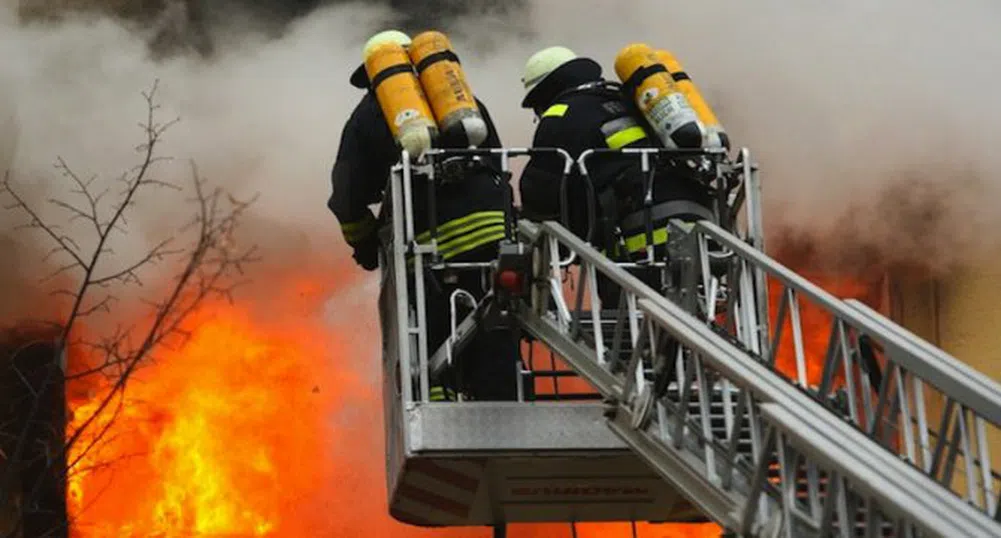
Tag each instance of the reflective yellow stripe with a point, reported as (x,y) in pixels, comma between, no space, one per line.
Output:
(455,226)
(359,229)
(467,229)
(625,137)
(471,242)
(555,111)
(637,242)
(467,242)
(439,393)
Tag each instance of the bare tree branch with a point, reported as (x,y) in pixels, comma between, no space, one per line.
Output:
(205,270)
(67,245)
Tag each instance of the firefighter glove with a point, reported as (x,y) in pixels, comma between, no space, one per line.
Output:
(366,254)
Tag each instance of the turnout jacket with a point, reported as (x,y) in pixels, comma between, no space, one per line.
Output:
(469,213)
(583,112)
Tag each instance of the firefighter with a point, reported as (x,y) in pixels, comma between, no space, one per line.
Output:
(578,110)
(470,217)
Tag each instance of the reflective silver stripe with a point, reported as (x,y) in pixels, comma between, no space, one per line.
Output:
(618,124)
(666,210)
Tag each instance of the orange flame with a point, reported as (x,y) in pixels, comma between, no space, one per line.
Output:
(219,437)
(268,422)
(815,322)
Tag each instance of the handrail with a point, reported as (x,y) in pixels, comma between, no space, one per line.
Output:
(707,467)
(416,361)
(966,385)
(894,404)
(715,162)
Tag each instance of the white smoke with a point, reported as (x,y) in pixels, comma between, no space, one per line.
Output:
(834,99)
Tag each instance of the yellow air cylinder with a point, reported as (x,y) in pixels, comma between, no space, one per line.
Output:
(401,98)
(447,90)
(716,136)
(660,101)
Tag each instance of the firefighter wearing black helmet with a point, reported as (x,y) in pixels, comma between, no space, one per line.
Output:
(470,217)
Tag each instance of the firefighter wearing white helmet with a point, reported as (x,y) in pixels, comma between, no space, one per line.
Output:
(470,214)
(579,110)
(541,64)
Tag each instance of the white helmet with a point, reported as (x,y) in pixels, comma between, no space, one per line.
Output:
(544,62)
(359,78)
(386,36)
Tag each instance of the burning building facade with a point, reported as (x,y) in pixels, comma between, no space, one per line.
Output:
(32,430)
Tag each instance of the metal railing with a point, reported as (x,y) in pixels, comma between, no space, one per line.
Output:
(730,182)
(913,399)
(417,364)
(830,480)
(427,364)
(698,398)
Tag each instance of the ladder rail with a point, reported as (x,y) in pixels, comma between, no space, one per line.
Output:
(782,421)
(675,444)
(972,389)
(930,408)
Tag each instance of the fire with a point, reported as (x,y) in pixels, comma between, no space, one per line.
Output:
(221,436)
(267,422)
(815,322)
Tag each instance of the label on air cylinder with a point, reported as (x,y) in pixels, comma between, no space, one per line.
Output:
(406,115)
(671,112)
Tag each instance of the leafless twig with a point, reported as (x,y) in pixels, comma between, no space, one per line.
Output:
(205,269)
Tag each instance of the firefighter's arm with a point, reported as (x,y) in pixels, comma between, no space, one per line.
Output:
(352,179)
(540,180)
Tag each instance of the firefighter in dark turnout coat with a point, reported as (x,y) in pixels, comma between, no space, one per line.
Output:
(470,223)
(579,110)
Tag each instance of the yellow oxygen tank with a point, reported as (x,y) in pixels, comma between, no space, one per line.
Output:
(716,136)
(446,88)
(401,98)
(660,101)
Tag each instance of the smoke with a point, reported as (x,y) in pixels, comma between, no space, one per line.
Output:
(838,101)
(872,122)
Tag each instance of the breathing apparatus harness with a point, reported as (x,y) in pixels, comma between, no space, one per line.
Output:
(618,198)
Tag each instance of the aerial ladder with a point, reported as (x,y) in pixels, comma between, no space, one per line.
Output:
(690,416)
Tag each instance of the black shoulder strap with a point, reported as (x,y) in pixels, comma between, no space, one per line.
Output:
(628,93)
(381,76)
(633,82)
(443,56)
